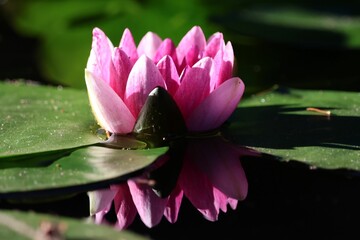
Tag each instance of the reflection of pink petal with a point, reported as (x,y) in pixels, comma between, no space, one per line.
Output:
(229,176)
(220,200)
(149,44)
(149,206)
(143,78)
(127,44)
(124,206)
(217,107)
(173,206)
(100,200)
(198,189)
(220,161)
(109,110)
(233,203)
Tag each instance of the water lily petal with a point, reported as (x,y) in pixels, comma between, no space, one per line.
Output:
(127,44)
(194,86)
(100,60)
(173,205)
(149,45)
(224,62)
(110,111)
(229,54)
(149,206)
(191,46)
(143,78)
(169,72)
(213,45)
(167,47)
(122,66)
(217,107)
(124,206)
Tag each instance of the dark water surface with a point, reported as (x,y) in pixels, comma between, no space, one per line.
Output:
(286,200)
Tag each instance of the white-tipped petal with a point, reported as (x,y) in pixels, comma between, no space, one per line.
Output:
(109,109)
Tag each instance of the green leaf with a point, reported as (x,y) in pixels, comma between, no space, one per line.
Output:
(18,225)
(86,166)
(278,123)
(35,119)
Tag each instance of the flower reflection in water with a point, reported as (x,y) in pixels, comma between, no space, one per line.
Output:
(207,171)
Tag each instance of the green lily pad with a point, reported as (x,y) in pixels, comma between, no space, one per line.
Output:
(280,123)
(18,225)
(36,119)
(83,169)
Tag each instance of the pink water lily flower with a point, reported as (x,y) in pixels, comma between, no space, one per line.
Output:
(212,178)
(197,73)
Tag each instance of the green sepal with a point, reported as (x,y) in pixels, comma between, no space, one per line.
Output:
(160,120)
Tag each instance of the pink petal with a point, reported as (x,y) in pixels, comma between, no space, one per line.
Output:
(191,46)
(127,44)
(194,86)
(229,54)
(217,107)
(173,205)
(110,111)
(149,206)
(143,78)
(214,44)
(224,62)
(122,66)
(100,60)
(167,47)
(169,73)
(149,45)
(124,206)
